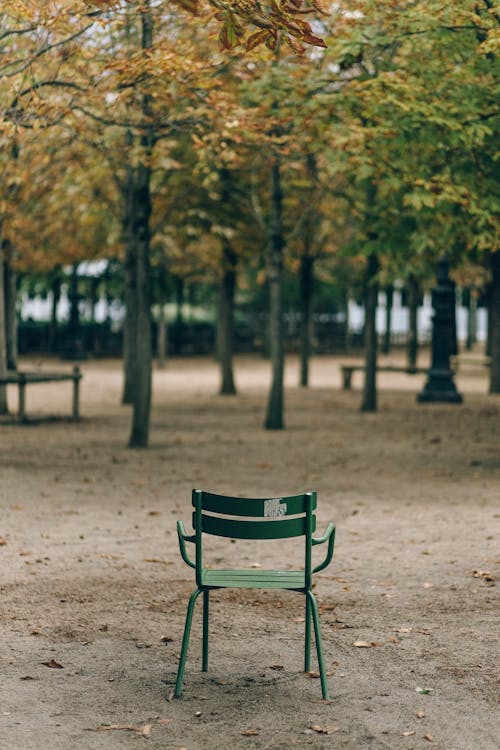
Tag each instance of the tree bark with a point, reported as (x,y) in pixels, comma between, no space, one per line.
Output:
(55,287)
(10,314)
(369,402)
(454,332)
(274,262)
(494,328)
(412,347)
(389,298)
(138,360)
(74,348)
(3,337)
(130,295)
(471,320)
(177,332)
(347,331)
(306,292)
(225,327)
(136,232)
(161,337)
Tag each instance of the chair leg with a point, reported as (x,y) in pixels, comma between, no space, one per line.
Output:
(319,647)
(185,642)
(205,630)
(307,645)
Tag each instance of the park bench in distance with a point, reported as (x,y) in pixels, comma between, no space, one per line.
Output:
(23,378)
(347,371)
(466,361)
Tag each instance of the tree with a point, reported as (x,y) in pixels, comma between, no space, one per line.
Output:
(412,105)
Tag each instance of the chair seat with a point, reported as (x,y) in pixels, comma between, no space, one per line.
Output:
(254,579)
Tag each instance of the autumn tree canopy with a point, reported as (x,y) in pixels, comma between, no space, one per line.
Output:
(238,134)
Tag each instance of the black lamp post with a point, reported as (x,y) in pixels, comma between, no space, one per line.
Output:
(440,385)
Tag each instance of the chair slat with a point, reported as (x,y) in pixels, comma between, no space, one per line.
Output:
(240,529)
(262,579)
(256,507)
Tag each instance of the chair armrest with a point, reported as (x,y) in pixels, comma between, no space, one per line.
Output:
(329,536)
(183,538)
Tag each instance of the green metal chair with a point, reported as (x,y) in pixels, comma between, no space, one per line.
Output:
(247,518)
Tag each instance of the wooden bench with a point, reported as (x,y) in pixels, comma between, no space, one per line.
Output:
(347,371)
(23,378)
(460,361)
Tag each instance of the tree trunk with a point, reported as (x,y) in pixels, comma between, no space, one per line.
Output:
(161,337)
(3,337)
(138,359)
(389,298)
(369,402)
(489,318)
(306,291)
(10,315)
(130,322)
(494,328)
(177,333)
(55,286)
(274,263)
(412,350)
(136,229)
(347,332)
(471,320)
(74,348)
(225,327)
(453,332)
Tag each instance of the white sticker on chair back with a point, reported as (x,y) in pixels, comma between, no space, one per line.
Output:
(274,508)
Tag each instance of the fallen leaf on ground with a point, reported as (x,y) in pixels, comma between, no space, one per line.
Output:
(315,675)
(277,667)
(427,585)
(429,737)
(407,734)
(484,574)
(144,731)
(3,542)
(157,560)
(249,733)
(327,729)
(53,664)
(420,714)
(365,644)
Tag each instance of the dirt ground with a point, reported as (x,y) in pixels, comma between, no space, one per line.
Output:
(91,578)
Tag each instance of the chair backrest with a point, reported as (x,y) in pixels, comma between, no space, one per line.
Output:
(254,518)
